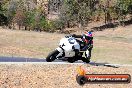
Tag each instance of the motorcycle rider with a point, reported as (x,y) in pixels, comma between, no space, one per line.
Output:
(86,43)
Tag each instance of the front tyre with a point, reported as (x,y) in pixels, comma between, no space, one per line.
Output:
(52,56)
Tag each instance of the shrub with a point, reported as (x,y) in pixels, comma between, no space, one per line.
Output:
(58,24)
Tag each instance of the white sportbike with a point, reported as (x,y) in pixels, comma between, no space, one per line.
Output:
(67,51)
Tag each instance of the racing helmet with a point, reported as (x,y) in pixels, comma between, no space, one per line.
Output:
(87,36)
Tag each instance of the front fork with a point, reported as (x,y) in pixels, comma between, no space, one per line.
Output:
(61,54)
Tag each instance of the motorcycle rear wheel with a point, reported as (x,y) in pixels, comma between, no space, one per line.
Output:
(87,60)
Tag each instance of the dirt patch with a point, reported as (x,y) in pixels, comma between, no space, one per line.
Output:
(53,76)
(27,43)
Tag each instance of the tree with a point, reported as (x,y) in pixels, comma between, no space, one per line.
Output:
(123,8)
(3,17)
(75,12)
(29,20)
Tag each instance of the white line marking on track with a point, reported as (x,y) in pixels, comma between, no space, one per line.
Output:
(46,63)
(65,63)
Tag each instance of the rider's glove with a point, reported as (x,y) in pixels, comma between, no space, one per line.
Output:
(67,36)
(73,35)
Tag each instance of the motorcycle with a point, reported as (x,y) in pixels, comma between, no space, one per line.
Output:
(67,51)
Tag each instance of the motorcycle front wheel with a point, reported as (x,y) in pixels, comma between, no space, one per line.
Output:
(52,56)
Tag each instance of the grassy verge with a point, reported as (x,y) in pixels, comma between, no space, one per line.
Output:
(109,47)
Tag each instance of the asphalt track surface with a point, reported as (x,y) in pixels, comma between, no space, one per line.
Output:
(21,60)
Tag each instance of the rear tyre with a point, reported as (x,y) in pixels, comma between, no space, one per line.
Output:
(52,56)
(81,80)
(87,60)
